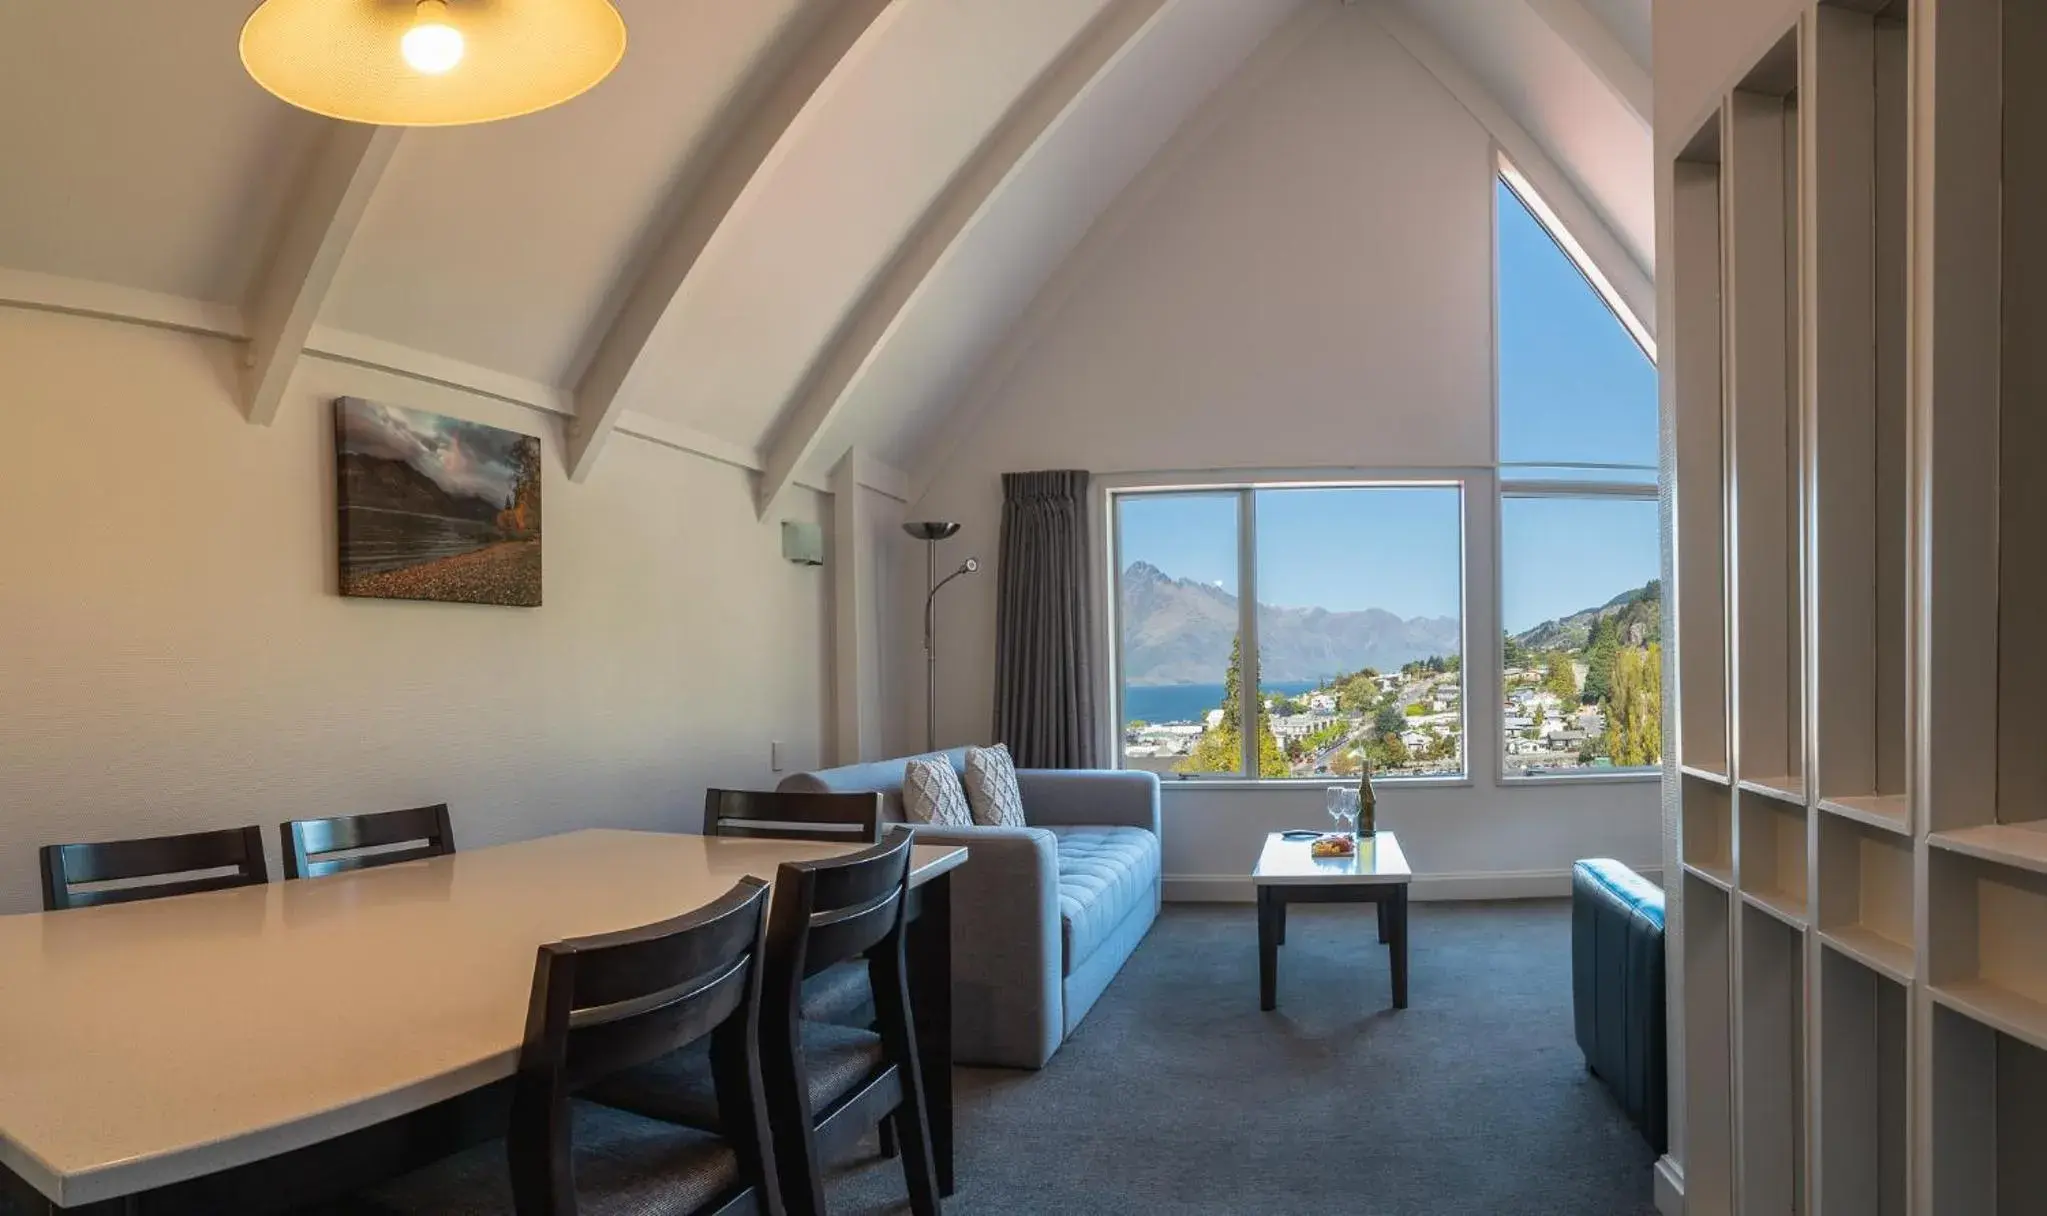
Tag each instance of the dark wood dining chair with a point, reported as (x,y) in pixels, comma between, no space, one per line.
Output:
(600,1004)
(839,994)
(774,815)
(826,1084)
(316,847)
(179,865)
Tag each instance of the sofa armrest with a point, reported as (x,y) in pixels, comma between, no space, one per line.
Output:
(1006,964)
(1090,797)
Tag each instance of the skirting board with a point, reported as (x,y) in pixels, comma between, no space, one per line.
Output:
(1485,884)
(1670,1187)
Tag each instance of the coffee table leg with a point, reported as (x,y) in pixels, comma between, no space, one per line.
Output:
(1398,946)
(1379,906)
(1269,912)
(1279,907)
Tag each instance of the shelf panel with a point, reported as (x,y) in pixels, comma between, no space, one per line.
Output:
(2013,844)
(1997,1007)
(1770,1049)
(1891,812)
(1783,905)
(1872,949)
(1771,869)
(1713,772)
(1864,905)
(1708,1045)
(1783,789)
(1708,828)
(1720,876)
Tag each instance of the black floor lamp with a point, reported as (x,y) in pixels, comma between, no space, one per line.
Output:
(931,531)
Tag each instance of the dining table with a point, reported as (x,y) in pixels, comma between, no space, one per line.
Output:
(175,1046)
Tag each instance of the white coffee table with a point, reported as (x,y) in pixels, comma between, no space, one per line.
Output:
(1287,873)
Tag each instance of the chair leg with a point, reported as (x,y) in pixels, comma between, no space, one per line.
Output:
(888,1137)
(789,1121)
(912,1123)
(920,1172)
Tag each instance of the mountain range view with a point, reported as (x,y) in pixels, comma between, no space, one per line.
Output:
(1178,631)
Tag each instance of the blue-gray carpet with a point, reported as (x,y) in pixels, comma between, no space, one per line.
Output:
(1178,1096)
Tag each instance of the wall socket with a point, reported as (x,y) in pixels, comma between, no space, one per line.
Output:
(775,755)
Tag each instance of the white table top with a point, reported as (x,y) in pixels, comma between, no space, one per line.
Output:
(1378,860)
(147,1043)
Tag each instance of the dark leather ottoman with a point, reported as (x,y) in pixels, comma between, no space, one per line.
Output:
(1617,987)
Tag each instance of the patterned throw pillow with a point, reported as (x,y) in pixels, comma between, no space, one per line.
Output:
(991,787)
(932,794)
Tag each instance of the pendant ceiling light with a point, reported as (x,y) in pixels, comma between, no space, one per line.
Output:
(430,63)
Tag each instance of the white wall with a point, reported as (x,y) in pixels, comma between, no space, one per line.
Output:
(173,654)
(1303,282)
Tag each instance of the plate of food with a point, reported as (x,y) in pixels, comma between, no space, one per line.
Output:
(1334,844)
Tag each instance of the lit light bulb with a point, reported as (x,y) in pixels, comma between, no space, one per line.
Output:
(432,45)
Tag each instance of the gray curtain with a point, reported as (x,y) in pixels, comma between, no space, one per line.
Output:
(1044,623)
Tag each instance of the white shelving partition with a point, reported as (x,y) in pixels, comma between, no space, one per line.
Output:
(1858,348)
(1706,791)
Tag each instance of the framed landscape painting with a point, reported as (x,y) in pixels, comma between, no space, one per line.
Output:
(435,508)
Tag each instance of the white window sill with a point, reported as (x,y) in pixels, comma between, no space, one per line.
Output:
(1642,776)
(1298,784)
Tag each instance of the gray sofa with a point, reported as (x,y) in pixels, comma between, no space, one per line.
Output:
(1042,916)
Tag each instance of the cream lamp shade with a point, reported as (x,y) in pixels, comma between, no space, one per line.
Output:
(430,63)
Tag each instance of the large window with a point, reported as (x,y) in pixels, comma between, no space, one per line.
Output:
(1581,606)
(1353,654)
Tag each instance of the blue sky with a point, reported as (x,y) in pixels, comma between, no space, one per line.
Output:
(1341,549)
(1573,387)
(1558,555)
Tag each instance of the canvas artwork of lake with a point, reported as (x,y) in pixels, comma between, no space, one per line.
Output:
(436,508)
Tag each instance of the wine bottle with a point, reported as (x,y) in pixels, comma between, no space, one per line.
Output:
(1368,803)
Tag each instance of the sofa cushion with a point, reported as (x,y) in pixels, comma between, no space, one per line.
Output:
(932,794)
(1104,872)
(991,788)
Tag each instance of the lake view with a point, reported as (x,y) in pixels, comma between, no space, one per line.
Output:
(1189,702)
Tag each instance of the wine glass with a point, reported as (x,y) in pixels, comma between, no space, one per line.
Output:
(1334,801)
(1347,816)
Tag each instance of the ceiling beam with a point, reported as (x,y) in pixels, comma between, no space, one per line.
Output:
(803,58)
(377,355)
(321,222)
(1007,150)
(1609,60)
(112,302)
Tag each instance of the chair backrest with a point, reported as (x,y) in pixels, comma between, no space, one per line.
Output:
(315,847)
(826,912)
(233,855)
(604,1004)
(835,909)
(853,818)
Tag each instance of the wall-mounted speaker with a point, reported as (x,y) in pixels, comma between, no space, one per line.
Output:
(802,543)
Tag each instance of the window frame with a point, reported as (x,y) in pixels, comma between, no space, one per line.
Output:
(1599,482)
(1575,491)
(1245,484)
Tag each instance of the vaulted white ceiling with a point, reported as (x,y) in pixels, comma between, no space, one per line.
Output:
(782,229)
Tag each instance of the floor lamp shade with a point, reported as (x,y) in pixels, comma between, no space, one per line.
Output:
(432,63)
